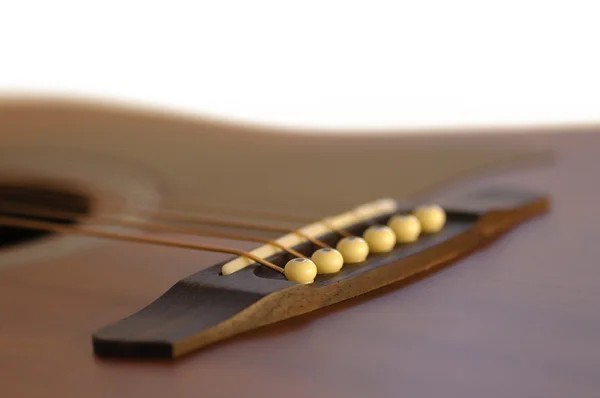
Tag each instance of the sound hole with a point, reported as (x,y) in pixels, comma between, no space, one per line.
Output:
(17,199)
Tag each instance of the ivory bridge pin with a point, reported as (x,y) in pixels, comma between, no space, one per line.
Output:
(300,270)
(328,261)
(381,239)
(431,217)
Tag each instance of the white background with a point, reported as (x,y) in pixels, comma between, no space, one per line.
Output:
(325,63)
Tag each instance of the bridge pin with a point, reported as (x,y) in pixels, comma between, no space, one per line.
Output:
(406,227)
(432,218)
(300,270)
(354,249)
(328,260)
(381,239)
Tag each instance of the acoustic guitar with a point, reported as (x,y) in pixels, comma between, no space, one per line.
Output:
(147,254)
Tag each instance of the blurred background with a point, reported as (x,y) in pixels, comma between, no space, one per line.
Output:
(314,63)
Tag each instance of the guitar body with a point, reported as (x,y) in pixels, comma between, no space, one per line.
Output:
(517,319)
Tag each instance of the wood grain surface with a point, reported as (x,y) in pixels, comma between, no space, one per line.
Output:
(517,319)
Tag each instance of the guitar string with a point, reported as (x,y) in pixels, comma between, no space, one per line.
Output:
(104,219)
(244,212)
(169,216)
(199,219)
(177,216)
(261,214)
(68,229)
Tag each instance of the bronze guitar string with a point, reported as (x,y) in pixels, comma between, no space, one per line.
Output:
(244,212)
(177,216)
(105,219)
(262,214)
(68,229)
